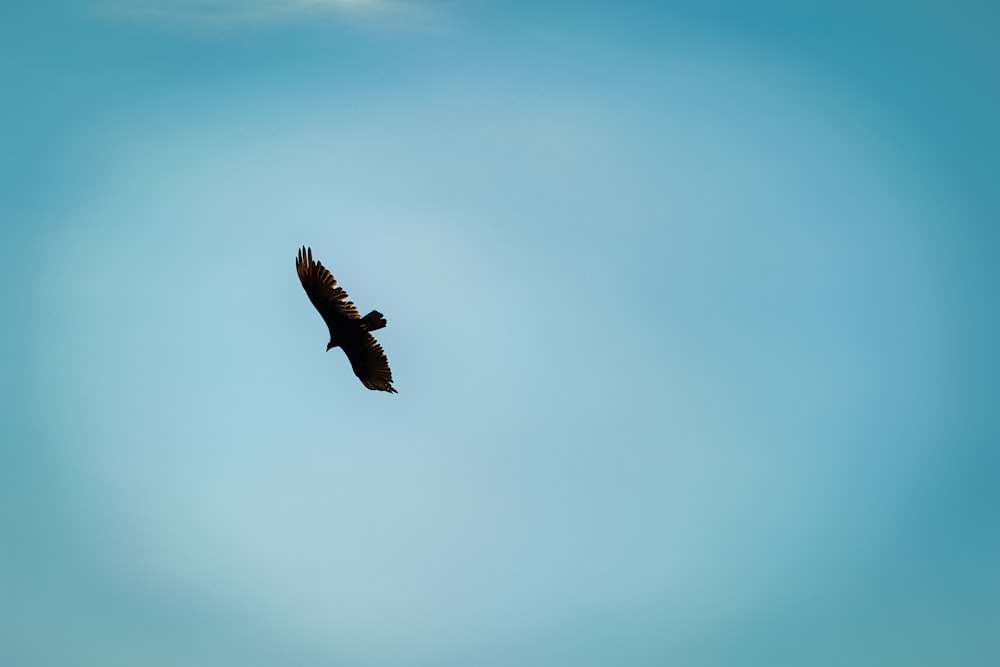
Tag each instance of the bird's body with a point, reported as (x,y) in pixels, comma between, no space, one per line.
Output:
(348,330)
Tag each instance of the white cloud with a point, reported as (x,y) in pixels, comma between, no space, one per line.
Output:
(249,12)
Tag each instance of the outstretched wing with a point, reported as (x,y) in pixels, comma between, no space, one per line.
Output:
(369,362)
(330,300)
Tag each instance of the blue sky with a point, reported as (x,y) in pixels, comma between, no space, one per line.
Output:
(691,312)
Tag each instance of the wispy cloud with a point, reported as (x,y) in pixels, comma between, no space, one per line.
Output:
(250,12)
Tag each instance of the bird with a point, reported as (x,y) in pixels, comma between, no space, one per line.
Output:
(348,330)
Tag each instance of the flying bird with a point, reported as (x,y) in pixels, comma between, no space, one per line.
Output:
(348,330)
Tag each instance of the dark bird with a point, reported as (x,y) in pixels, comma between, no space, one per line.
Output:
(348,330)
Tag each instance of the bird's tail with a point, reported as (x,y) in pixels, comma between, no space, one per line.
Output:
(373,321)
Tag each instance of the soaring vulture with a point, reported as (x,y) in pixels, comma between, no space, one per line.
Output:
(348,330)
